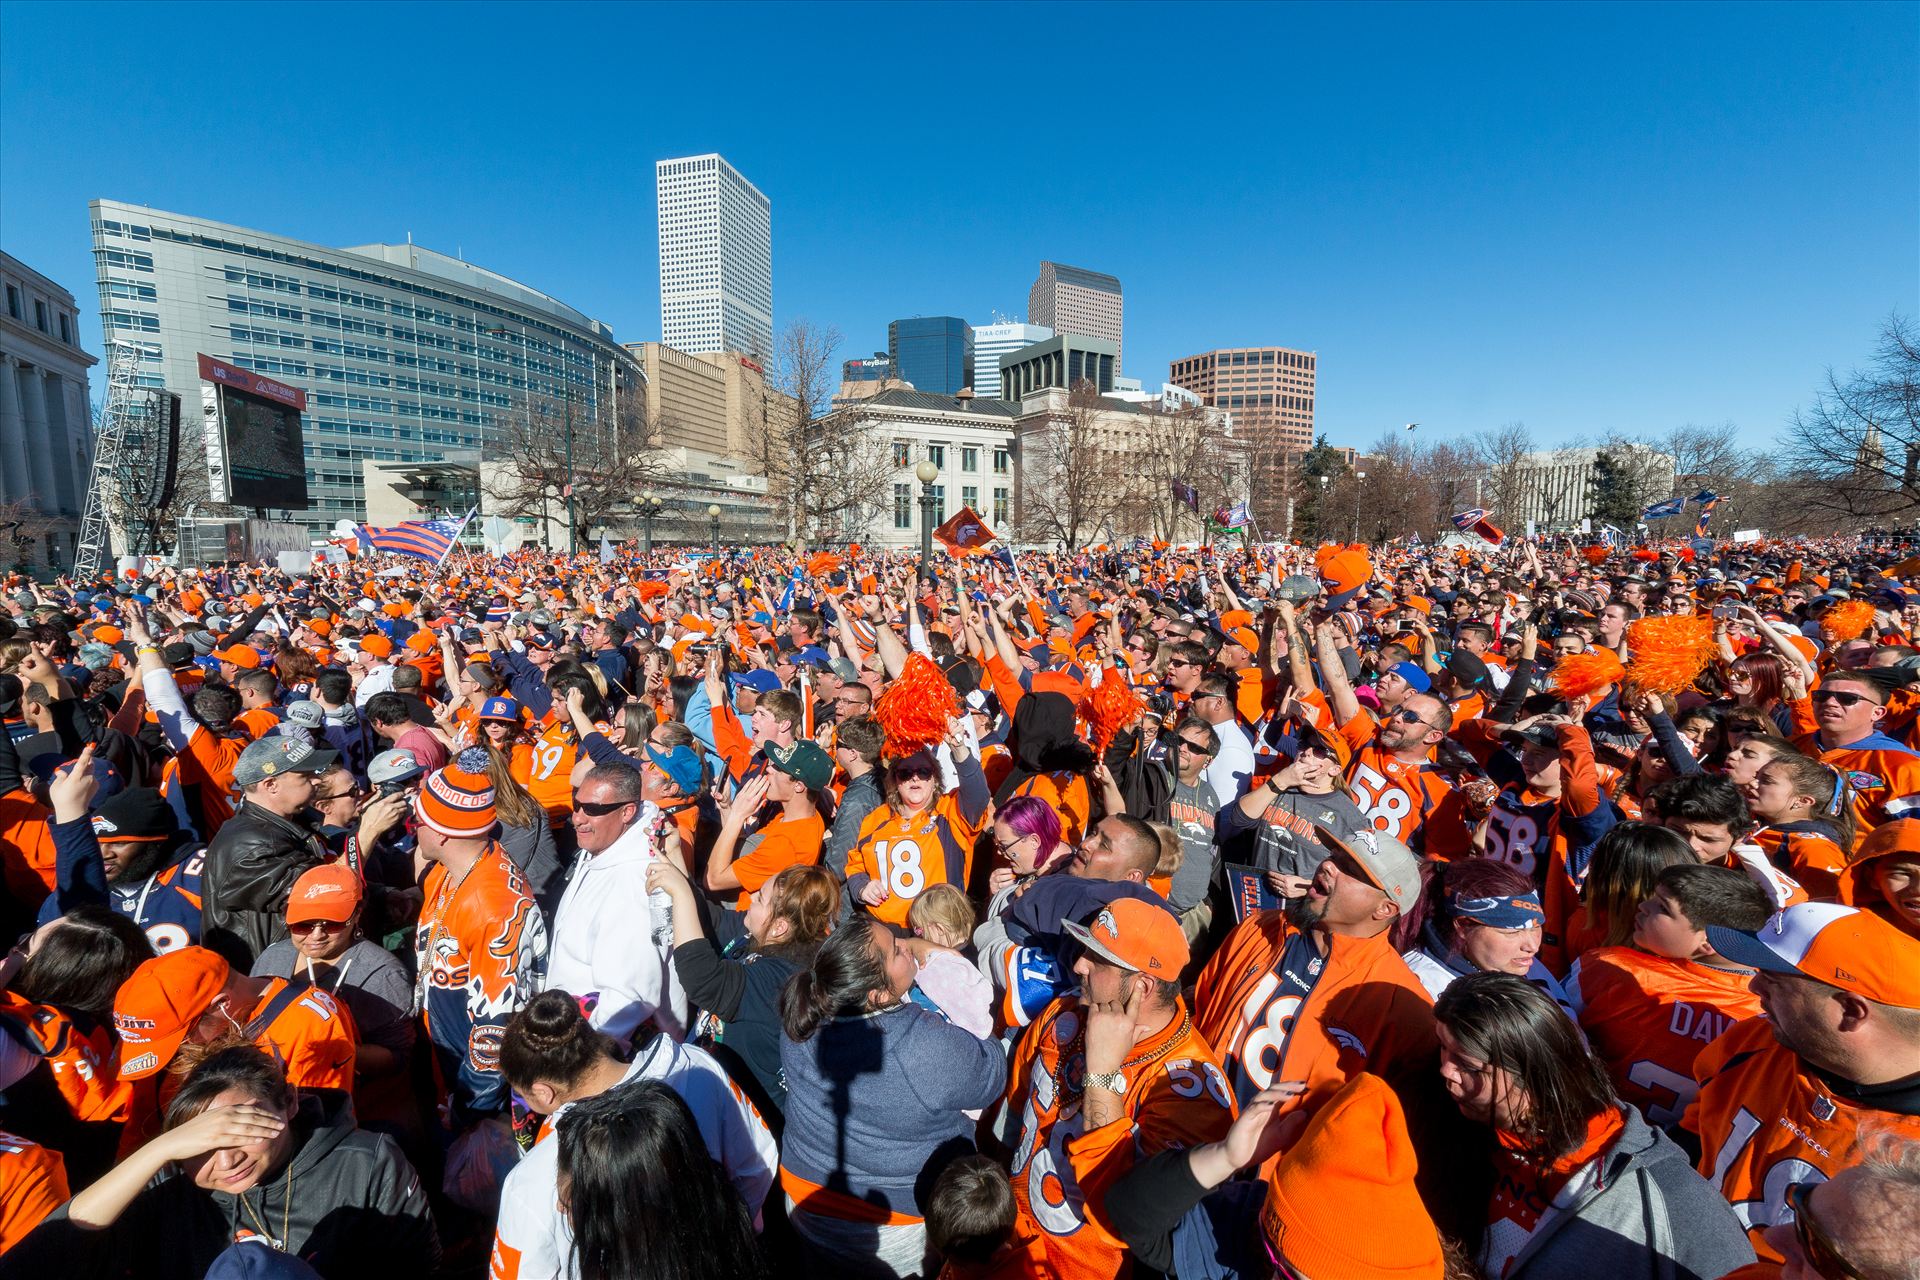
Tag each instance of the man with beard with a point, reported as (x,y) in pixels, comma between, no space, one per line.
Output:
(129,854)
(1315,991)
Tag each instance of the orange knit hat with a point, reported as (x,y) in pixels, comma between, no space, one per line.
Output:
(1354,1163)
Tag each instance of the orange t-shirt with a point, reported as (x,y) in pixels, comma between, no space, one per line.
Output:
(33,1183)
(782,843)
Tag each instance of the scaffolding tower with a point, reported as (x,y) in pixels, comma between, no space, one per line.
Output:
(110,460)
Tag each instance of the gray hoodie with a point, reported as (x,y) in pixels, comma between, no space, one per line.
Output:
(1639,1212)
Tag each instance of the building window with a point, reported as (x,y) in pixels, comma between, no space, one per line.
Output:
(939,503)
(13,302)
(1002,462)
(969,458)
(40,315)
(902,453)
(902,507)
(1002,506)
(970,496)
(937,455)
(66,328)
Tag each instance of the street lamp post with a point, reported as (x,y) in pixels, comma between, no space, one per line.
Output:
(650,509)
(1359,478)
(926,473)
(573,533)
(713,514)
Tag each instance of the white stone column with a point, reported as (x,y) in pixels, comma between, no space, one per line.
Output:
(33,399)
(15,478)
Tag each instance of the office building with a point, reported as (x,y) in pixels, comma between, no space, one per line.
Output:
(404,353)
(969,439)
(1062,363)
(716,258)
(1553,490)
(1268,389)
(46,425)
(932,353)
(1072,300)
(718,402)
(990,342)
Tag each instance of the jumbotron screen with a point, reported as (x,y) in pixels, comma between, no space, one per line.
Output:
(255,452)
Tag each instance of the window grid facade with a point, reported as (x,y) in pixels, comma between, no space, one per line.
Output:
(1267,389)
(716,258)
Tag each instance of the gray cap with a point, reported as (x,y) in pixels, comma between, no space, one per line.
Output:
(541,618)
(1297,587)
(396,765)
(202,642)
(845,669)
(271,757)
(1390,865)
(308,713)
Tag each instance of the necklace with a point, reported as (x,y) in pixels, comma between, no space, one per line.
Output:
(441,902)
(1076,1052)
(286,1210)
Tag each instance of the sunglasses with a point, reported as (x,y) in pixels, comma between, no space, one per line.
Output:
(1813,1242)
(1181,662)
(1408,717)
(600,810)
(1840,696)
(328,927)
(1199,749)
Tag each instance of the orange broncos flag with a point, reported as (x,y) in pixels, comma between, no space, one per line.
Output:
(964,533)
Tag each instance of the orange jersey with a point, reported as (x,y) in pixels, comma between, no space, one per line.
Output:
(1067,794)
(907,854)
(1402,800)
(1648,1018)
(1807,852)
(33,1183)
(85,1066)
(1176,1096)
(26,848)
(1766,1121)
(313,1038)
(550,771)
(1883,772)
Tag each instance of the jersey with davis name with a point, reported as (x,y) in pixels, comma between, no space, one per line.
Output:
(1176,1097)
(1766,1121)
(1648,1018)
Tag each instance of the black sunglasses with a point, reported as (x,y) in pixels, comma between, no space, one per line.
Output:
(1840,696)
(1813,1242)
(603,809)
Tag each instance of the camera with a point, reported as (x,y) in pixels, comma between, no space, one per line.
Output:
(1725,612)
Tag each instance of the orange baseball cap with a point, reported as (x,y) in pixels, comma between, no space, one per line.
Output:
(1902,835)
(376,644)
(240,655)
(330,891)
(1135,935)
(1843,947)
(160,1003)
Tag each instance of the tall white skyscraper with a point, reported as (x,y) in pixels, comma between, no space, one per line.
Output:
(990,342)
(716,258)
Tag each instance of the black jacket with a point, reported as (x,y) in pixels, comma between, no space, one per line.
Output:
(358,1210)
(252,863)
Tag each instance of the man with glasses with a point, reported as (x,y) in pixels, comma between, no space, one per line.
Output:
(1848,710)
(1186,663)
(1192,810)
(611,940)
(1854,1227)
(1786,1098)
(1230,771)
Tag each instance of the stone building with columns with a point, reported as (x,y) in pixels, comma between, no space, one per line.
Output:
(46,420)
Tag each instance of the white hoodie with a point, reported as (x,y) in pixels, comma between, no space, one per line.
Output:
(534,1240)
(613,941)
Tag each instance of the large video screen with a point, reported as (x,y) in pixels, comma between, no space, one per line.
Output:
(266,466)
(255,452)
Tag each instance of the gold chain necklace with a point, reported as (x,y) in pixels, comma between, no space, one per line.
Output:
(442,902)
(286,1210)
(1077,1049)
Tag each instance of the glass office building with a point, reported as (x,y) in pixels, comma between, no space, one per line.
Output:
(404,353)
(934,353)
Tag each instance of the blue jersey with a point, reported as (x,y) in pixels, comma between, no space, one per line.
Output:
(166,904)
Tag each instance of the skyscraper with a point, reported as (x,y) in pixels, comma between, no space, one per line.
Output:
(716,257)
(990,342)
(1269,390)
(934,353)
(1073,300)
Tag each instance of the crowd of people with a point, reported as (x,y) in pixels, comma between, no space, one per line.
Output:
(1538,912)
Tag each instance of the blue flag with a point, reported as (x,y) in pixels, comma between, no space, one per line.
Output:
(1706,497)
(1661,510)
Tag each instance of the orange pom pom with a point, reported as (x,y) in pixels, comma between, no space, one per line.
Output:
(1111,706)
(1596,555)
(1581,675)
(1846,621)
(917,709)
(1669,652)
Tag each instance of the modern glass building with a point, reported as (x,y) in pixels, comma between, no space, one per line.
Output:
(934,353)
(990,342)
(404,353)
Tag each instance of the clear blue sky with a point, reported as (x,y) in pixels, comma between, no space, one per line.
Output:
(1584,217)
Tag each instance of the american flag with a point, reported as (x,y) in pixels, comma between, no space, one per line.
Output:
(427,539)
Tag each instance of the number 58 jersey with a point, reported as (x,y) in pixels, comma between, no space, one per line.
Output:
(1406,801)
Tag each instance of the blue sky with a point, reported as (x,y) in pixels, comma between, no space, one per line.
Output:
(1587,218)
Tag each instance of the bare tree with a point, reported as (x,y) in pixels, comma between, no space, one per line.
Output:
(608,456)
(1190,445)
(1071,476)
(1855,451)
(1502,456)
(827,469)
(23,525)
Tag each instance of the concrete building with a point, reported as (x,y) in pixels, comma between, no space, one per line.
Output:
(1268,389)
(404,353)
(1553,488)
(46,423)
(716,258)
(1073,300)
(932,353)
(990,342)
(716,402)
(1060,363)
(969,439)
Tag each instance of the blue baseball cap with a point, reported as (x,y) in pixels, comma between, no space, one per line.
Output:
(681,766)
(500,709)
(757,680)
(1414,674)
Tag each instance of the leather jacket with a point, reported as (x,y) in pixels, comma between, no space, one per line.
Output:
(252,863)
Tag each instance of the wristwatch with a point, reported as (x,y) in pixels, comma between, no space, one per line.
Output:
(1115,1082)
